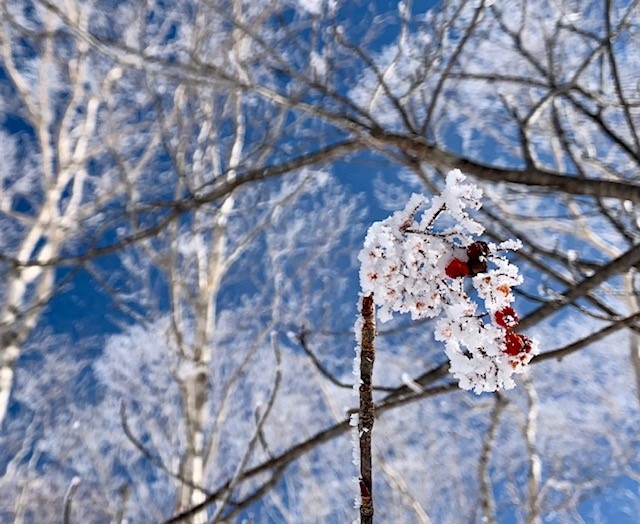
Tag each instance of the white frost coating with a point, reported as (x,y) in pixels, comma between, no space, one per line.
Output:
(404,263)
(313,7)
(510,245)
(410,383)
(354,419)
(356,360)
(355,451)
(188,369)
(318,64)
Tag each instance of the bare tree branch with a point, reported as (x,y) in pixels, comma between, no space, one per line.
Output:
(421,150)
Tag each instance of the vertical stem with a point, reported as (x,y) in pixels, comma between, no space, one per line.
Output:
(366,413)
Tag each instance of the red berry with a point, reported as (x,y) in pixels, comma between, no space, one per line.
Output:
(507,318)
(477,265)
(478,250)
(457,268)
(527,343)
(477,254)
(514,343)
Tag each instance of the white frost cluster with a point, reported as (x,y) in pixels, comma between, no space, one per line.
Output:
(413,267)
(354,419)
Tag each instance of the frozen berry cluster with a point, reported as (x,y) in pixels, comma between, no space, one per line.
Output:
(515,344)
(476,262)
(411,265)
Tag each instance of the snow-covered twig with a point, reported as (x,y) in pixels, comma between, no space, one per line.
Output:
(68,499)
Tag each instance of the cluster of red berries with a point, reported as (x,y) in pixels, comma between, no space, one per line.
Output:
(476,262)
(515,343)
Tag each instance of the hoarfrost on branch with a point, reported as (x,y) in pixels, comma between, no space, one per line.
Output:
(412,266)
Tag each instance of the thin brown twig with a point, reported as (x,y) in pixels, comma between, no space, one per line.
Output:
(582,288)
(302,338)
(562,352)
(254,496)
(529,176)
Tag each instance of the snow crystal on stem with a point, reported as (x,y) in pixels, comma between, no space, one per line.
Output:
(413,267)
(354,419)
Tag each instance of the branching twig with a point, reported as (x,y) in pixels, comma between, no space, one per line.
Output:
(326,435)
(253,497)
(529,176)
(175,209)
(258,431)
(581,289)
(304,344)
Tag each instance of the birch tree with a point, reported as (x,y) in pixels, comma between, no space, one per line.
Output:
(56,177)
(86,158)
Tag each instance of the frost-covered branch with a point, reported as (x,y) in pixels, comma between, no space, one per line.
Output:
(409,265)
(421,150)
